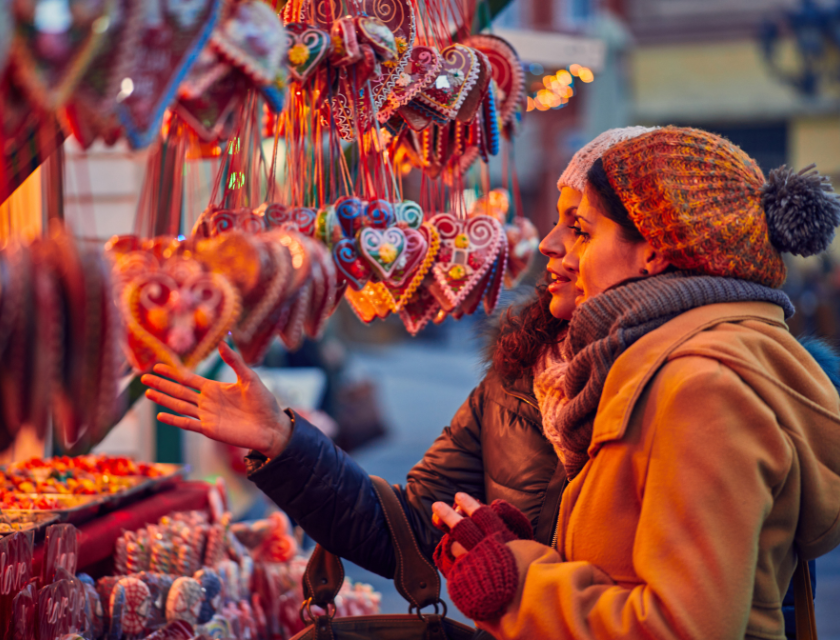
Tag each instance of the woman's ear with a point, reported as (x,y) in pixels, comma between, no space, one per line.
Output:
(654,262)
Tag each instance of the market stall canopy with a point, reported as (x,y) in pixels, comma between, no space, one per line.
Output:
(556,50)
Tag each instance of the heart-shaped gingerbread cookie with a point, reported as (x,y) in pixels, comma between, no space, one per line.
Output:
(252,39)
(394,254)
(306,48)
(168,42)
(468,249)
(421,69)
(456,79)
(176,320)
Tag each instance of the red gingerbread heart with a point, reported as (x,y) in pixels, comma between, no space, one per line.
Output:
(208,112)
(92,109)
(306,48)
(167,44)
(468,249)
(421,69)
(457,77)
(398,17)
(507,72)
(419,310)
(252,38)
(177,315)
(394,254)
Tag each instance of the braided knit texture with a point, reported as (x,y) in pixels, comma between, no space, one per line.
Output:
(605,326)
(574,175)
(697,198)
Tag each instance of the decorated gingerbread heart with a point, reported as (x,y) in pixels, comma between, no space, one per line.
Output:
(404,291)
(409,213)
(252,38)
(458,75)
(175,318)
(472,101)
(421,69)
(306,48)
(419,310)
(507,72)
(92,108)
(350,211)
(468,249)
(379,214)
(278,216)
(345,42)
(395,254)
(377,34)
(350,264)
(208,112)
(397,16)
(170,38)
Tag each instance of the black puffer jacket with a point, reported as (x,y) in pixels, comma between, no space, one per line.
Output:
(494,448)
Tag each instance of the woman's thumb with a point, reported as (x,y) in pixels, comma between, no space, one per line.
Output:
(234,361)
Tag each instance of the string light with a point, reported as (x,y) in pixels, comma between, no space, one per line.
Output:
(555,91)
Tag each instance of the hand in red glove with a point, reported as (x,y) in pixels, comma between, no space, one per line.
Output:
(481,570)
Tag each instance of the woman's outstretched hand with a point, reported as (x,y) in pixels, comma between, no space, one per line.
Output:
(243,414)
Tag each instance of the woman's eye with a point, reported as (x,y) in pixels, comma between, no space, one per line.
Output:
(578,232)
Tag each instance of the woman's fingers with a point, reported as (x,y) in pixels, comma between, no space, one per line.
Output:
(467,503)
(446,513)
(188,424)
(186,408)
(181,374)
(172,388)
(234,361)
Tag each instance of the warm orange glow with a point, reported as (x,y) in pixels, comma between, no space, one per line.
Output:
(531,105)
(575,69)
(586,75)
(564,77)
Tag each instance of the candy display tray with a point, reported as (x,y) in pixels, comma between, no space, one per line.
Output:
(12,521)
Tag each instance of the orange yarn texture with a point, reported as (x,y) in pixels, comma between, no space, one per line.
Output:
(696,197)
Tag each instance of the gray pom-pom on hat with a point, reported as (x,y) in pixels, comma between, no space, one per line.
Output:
(802,210)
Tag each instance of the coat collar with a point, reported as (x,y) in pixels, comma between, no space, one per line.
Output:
(636,367)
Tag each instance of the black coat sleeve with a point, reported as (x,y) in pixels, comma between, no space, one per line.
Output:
(328,494)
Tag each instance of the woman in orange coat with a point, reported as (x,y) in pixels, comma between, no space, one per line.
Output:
(702,441)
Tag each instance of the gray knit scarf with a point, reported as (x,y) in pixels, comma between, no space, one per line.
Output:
(605,326)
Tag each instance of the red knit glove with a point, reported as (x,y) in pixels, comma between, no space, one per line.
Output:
(513,521)
(482,582)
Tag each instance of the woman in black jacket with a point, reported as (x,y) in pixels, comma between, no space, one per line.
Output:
(495,446)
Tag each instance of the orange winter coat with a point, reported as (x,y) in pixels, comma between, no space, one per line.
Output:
(715,453)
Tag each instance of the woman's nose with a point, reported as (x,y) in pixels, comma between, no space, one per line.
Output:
(552,245)
(571,261)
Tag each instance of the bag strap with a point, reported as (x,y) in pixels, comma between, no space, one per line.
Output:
(416,578)
(803,602)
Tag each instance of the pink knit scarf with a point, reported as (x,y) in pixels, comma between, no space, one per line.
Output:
(549,373)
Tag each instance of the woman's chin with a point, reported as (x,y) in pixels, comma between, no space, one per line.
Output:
(562,307)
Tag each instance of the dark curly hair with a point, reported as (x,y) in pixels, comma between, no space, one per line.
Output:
(522,333)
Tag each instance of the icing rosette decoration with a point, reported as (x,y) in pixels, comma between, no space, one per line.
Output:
(468,250)
(177,314)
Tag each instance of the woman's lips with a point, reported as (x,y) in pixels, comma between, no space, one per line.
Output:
(558,282)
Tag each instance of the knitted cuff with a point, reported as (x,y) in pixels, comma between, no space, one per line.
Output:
(443,555)
(489,523)
(467,532)
(483,582)
(514,519)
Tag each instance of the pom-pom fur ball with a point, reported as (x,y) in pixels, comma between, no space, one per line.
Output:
(802,210)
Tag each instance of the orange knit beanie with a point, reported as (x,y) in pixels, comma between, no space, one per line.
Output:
(705,204)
